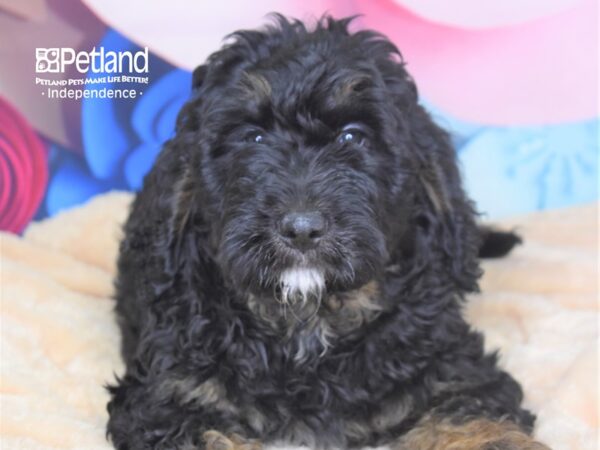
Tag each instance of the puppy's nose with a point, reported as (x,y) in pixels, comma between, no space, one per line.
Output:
(303,229)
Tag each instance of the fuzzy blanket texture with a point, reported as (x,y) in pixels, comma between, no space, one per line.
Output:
(59,340)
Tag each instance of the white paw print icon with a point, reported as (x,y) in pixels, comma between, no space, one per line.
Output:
(47,60)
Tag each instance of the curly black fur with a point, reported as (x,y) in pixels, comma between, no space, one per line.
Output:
(207,340)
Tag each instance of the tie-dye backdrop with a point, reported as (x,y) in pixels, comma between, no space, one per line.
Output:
(514,81)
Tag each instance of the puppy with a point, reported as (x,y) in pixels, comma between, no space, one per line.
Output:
(293,270)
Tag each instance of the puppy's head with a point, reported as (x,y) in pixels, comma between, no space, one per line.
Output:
(312,165)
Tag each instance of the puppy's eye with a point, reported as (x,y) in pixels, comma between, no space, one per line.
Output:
(352,134)
(255,137)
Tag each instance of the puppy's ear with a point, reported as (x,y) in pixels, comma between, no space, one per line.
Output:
(444,216)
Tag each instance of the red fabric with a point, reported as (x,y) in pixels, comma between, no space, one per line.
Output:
(23,169)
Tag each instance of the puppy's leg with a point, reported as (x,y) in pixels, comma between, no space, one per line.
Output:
(436,433)
(215,440)
(142,417)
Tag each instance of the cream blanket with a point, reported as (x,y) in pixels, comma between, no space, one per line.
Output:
(59,341)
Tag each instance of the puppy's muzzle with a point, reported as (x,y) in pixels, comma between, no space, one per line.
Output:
(303,230)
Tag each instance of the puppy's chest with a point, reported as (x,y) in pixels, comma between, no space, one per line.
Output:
(296,387)
(309,329)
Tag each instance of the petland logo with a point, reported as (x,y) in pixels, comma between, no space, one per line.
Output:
(99,74)
(57,60)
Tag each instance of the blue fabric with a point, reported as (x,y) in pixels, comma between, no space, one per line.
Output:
(71,183)
(516,169)
(122,132)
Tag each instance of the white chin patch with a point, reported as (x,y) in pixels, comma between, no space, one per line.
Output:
(301,283)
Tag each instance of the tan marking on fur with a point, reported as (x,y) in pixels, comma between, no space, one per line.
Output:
(392,413)
(297,433)
(256,86)
(187,391)
(479,434)
(183,195)
(365,298)
(349,88)
(215,440)
(354,429)
(310,336)
(256,420)
(349,311)
(433,197)
(359,299)
(432,183)
(344,314)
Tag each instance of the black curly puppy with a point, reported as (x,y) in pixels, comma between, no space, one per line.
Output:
(294,268)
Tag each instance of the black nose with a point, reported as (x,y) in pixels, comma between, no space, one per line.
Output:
(303,229)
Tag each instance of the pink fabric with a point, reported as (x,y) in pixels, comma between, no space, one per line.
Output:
(485,14)
(23,170)
(540,71)
(63,24)
(544,71)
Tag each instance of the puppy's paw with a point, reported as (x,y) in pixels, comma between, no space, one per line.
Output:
(479,434)
(520,444)
(215,440)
